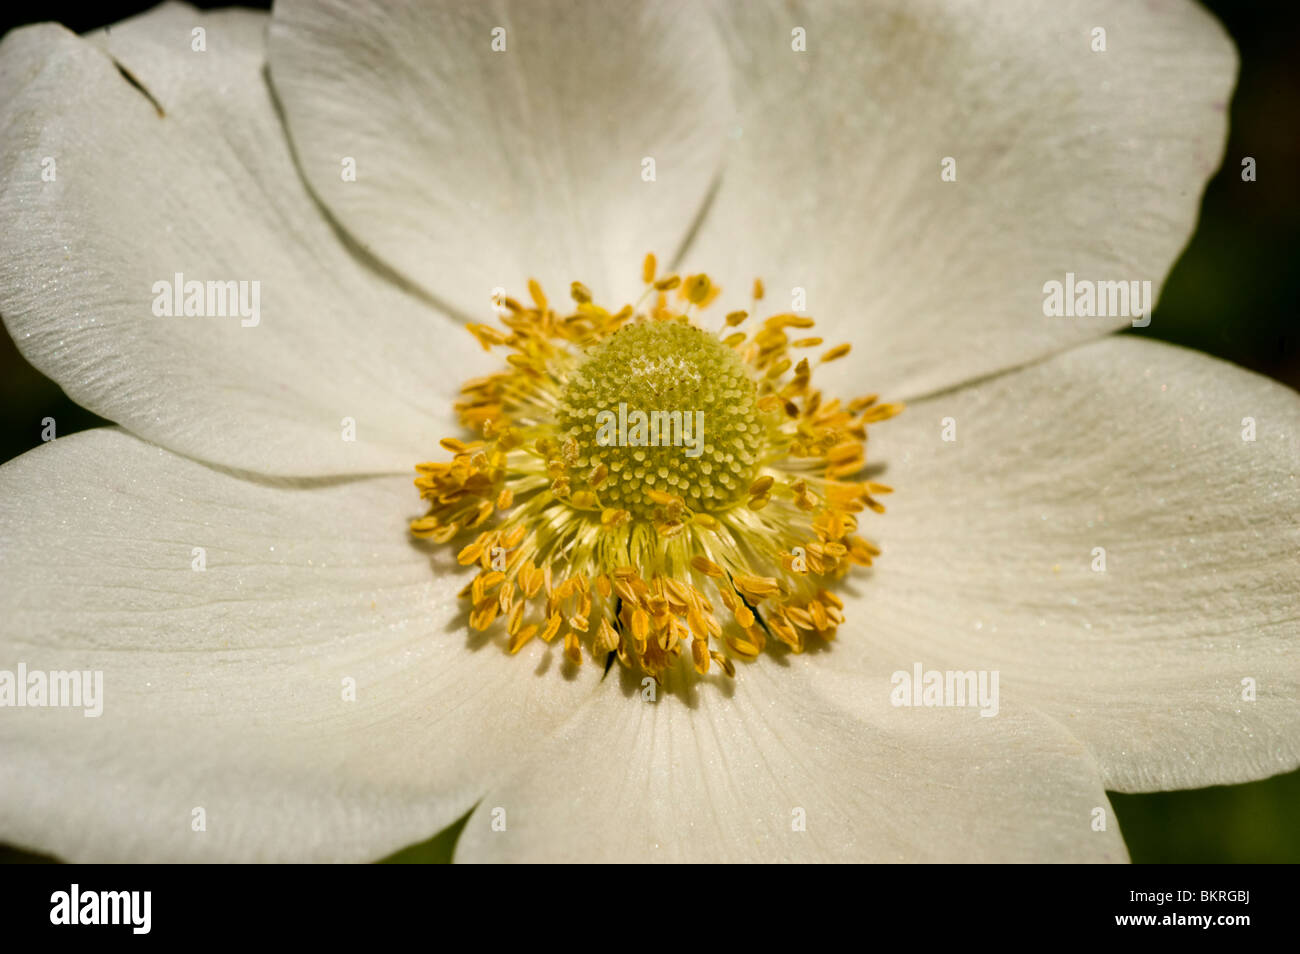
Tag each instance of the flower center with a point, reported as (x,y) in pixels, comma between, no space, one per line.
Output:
(652,486)
(665,407)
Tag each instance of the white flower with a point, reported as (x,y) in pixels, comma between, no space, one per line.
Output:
(476,168)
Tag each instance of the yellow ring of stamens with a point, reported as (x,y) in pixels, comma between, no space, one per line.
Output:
(627,548)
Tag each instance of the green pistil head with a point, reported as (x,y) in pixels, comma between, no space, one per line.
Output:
(679,378)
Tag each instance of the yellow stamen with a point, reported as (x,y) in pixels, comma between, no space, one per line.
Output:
(640,541)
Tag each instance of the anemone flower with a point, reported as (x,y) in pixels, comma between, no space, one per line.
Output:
(254,242)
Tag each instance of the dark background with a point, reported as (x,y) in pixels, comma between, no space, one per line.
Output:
(1231,294)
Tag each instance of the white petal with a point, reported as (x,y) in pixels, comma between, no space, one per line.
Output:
(1067,161)
(224,689)
(208,190)
(1131,448)
(729,774)
(477,169)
